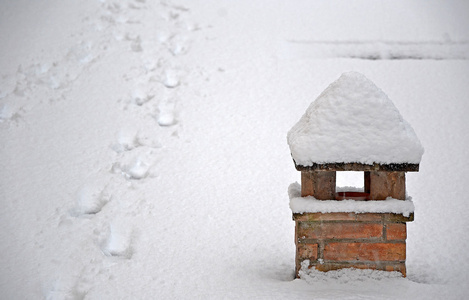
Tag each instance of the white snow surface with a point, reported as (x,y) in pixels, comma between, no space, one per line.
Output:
(310,204)
(353,121)
(143,154)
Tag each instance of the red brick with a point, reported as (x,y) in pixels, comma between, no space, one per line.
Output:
(396,231)
(395,218)
(386,184)
(349,230)
(319,184)
(336,266)
(325,217)
(307,251)
(337,217)
(369,217)
(364,252)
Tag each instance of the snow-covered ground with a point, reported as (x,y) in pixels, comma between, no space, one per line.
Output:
(143,149)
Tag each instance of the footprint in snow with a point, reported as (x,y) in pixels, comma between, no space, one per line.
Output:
(171,78)
(10,112)
(131,138)
(66,287)
(147,139)
(91,199)
(178,45)
(119,240)
(167,114)
(135,42)
(166,118)
(126,140)
(140,96)
(113,8)
(136,168)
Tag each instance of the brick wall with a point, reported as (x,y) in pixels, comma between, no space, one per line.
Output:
(333,241)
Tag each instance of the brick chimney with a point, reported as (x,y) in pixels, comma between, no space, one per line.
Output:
(362,240)
(352,126)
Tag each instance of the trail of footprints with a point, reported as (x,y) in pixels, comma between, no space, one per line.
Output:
(157,82)
(50,81)
(155,94)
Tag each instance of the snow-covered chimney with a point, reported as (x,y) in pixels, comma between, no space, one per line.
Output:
(352,126)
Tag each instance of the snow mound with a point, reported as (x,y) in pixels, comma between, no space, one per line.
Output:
(126,140)
(310,204)
(343,276)
(353,121)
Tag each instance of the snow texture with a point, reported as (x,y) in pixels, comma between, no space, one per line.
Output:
(310,204)
(353,121)
(143,154)
(343,276)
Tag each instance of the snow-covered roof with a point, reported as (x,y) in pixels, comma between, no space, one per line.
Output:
(353,121)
